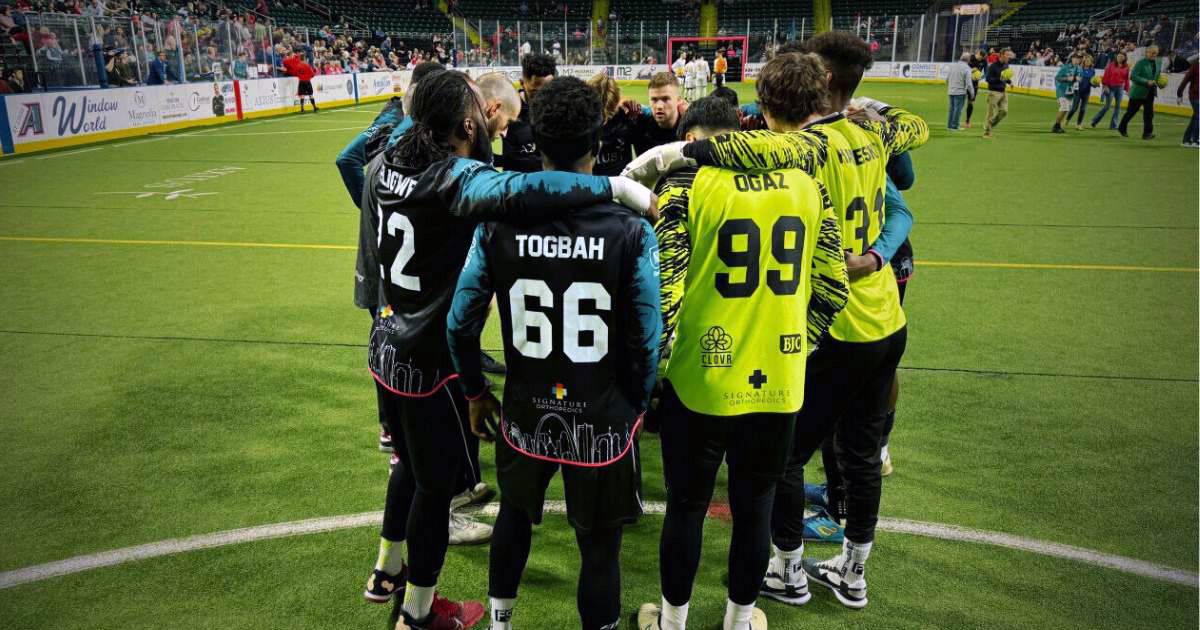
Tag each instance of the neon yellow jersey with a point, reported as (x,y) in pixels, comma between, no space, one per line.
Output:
(850,159)
(751,274)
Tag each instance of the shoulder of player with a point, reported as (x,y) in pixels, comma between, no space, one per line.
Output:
(680,179)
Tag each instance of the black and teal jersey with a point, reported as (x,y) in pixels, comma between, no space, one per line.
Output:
(419,233)
(752,276)
(616,145)
(579,313)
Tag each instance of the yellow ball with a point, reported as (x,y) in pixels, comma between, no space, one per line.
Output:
(1162,80)
(975,74)
(1096,81)
(1006,74)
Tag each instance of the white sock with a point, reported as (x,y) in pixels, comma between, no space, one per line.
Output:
(857,554)
(883,452)
(502,611)
(391,557)
(789,563)
(737,617)
(418,600)
(674,617)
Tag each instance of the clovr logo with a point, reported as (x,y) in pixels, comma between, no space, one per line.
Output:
(31,120)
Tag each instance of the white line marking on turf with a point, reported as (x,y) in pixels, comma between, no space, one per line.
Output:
(58,155)
(274,133)
(37,573)
(7,162)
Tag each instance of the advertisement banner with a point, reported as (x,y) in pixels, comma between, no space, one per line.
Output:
(752,69)
(333,88)
(637,72)
(400,81)
(259,95)
(375,84)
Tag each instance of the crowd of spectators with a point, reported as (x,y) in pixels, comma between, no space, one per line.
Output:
(1103,40)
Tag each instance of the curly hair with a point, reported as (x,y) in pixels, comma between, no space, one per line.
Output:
(792,87)
(608,91)
(566,118)
(844,54)
(538,65)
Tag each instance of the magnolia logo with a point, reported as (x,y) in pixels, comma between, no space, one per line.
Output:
(139,98)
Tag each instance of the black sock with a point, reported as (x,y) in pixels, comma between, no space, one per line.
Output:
(887,427)
(599,592)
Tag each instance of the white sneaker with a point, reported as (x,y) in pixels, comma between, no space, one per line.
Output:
(781,585)
(481,493)
(465,530)
(847,580)
(647,617)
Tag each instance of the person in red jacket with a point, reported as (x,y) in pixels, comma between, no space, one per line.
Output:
(1191,137)
(1116,85)
(295,66)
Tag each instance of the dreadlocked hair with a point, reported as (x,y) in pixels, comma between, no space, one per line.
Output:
(439,104)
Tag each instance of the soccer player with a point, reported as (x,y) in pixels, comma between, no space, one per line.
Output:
(851,373)
(428,192)
(520,152)
(702,74)
(616,139)
(689,80)
(581,323)
(679,68)
(656,125)
(720,67)
(752,277)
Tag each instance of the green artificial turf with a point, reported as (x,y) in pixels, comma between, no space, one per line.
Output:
(160,390)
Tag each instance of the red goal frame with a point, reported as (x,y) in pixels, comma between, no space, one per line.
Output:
(743,39)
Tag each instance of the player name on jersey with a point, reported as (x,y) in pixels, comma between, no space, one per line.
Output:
(757,183)
(858,155)
(400,185)
(579,247)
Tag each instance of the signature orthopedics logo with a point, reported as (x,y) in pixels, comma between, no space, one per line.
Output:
(716,348)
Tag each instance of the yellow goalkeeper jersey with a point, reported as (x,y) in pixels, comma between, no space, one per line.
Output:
(850,160)
(751,274)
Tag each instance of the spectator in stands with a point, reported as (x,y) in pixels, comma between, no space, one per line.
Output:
(960,86)
(1143,88)
(241,67)
(1191,137)
(161,71)
(1083,93)
(1115,83)
(118,70)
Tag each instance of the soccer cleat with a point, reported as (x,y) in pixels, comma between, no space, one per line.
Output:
(490,365)
(786,584)
(385,441)
(848,583)
(1148,136)
(467,531)
(1124,134)
(816,495)
(443,615)
(648,616)
(382,587)
(1079,127)
(1058,129)
(819,526)
(481,493)
(885,469)
(987,135)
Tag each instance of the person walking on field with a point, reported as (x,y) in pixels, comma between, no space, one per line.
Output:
(997,97)
(1066,82)
(1144,82)
(1116,85)
(1191,137)
(960,87)
(1083,92)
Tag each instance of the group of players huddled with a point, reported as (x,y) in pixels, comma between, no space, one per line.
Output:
(757,270)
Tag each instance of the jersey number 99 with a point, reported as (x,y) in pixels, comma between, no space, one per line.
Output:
(787,254)
(574,324)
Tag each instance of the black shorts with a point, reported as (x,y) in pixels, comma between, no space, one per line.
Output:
(902,266)
(597,497)
(695,444)
(305,88)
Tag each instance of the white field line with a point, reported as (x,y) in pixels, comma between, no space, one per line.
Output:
(77,564)
(273,133)
(58,155)
(8,162)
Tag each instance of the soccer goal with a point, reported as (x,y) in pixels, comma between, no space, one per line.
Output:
(708,47)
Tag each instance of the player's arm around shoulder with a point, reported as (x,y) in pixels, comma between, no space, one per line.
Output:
(830,282)
(760,151)
(674,246)
(901,130)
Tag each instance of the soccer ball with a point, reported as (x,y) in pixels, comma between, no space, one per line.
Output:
(1095,81)
(983,84)
(975,74)
(1006,74)
(1162,80)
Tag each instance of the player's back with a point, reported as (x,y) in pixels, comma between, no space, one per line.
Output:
(855,173)
(741,332)
(575,342)
(422,246)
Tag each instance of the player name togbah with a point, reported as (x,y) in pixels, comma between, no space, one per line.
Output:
(581,247)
